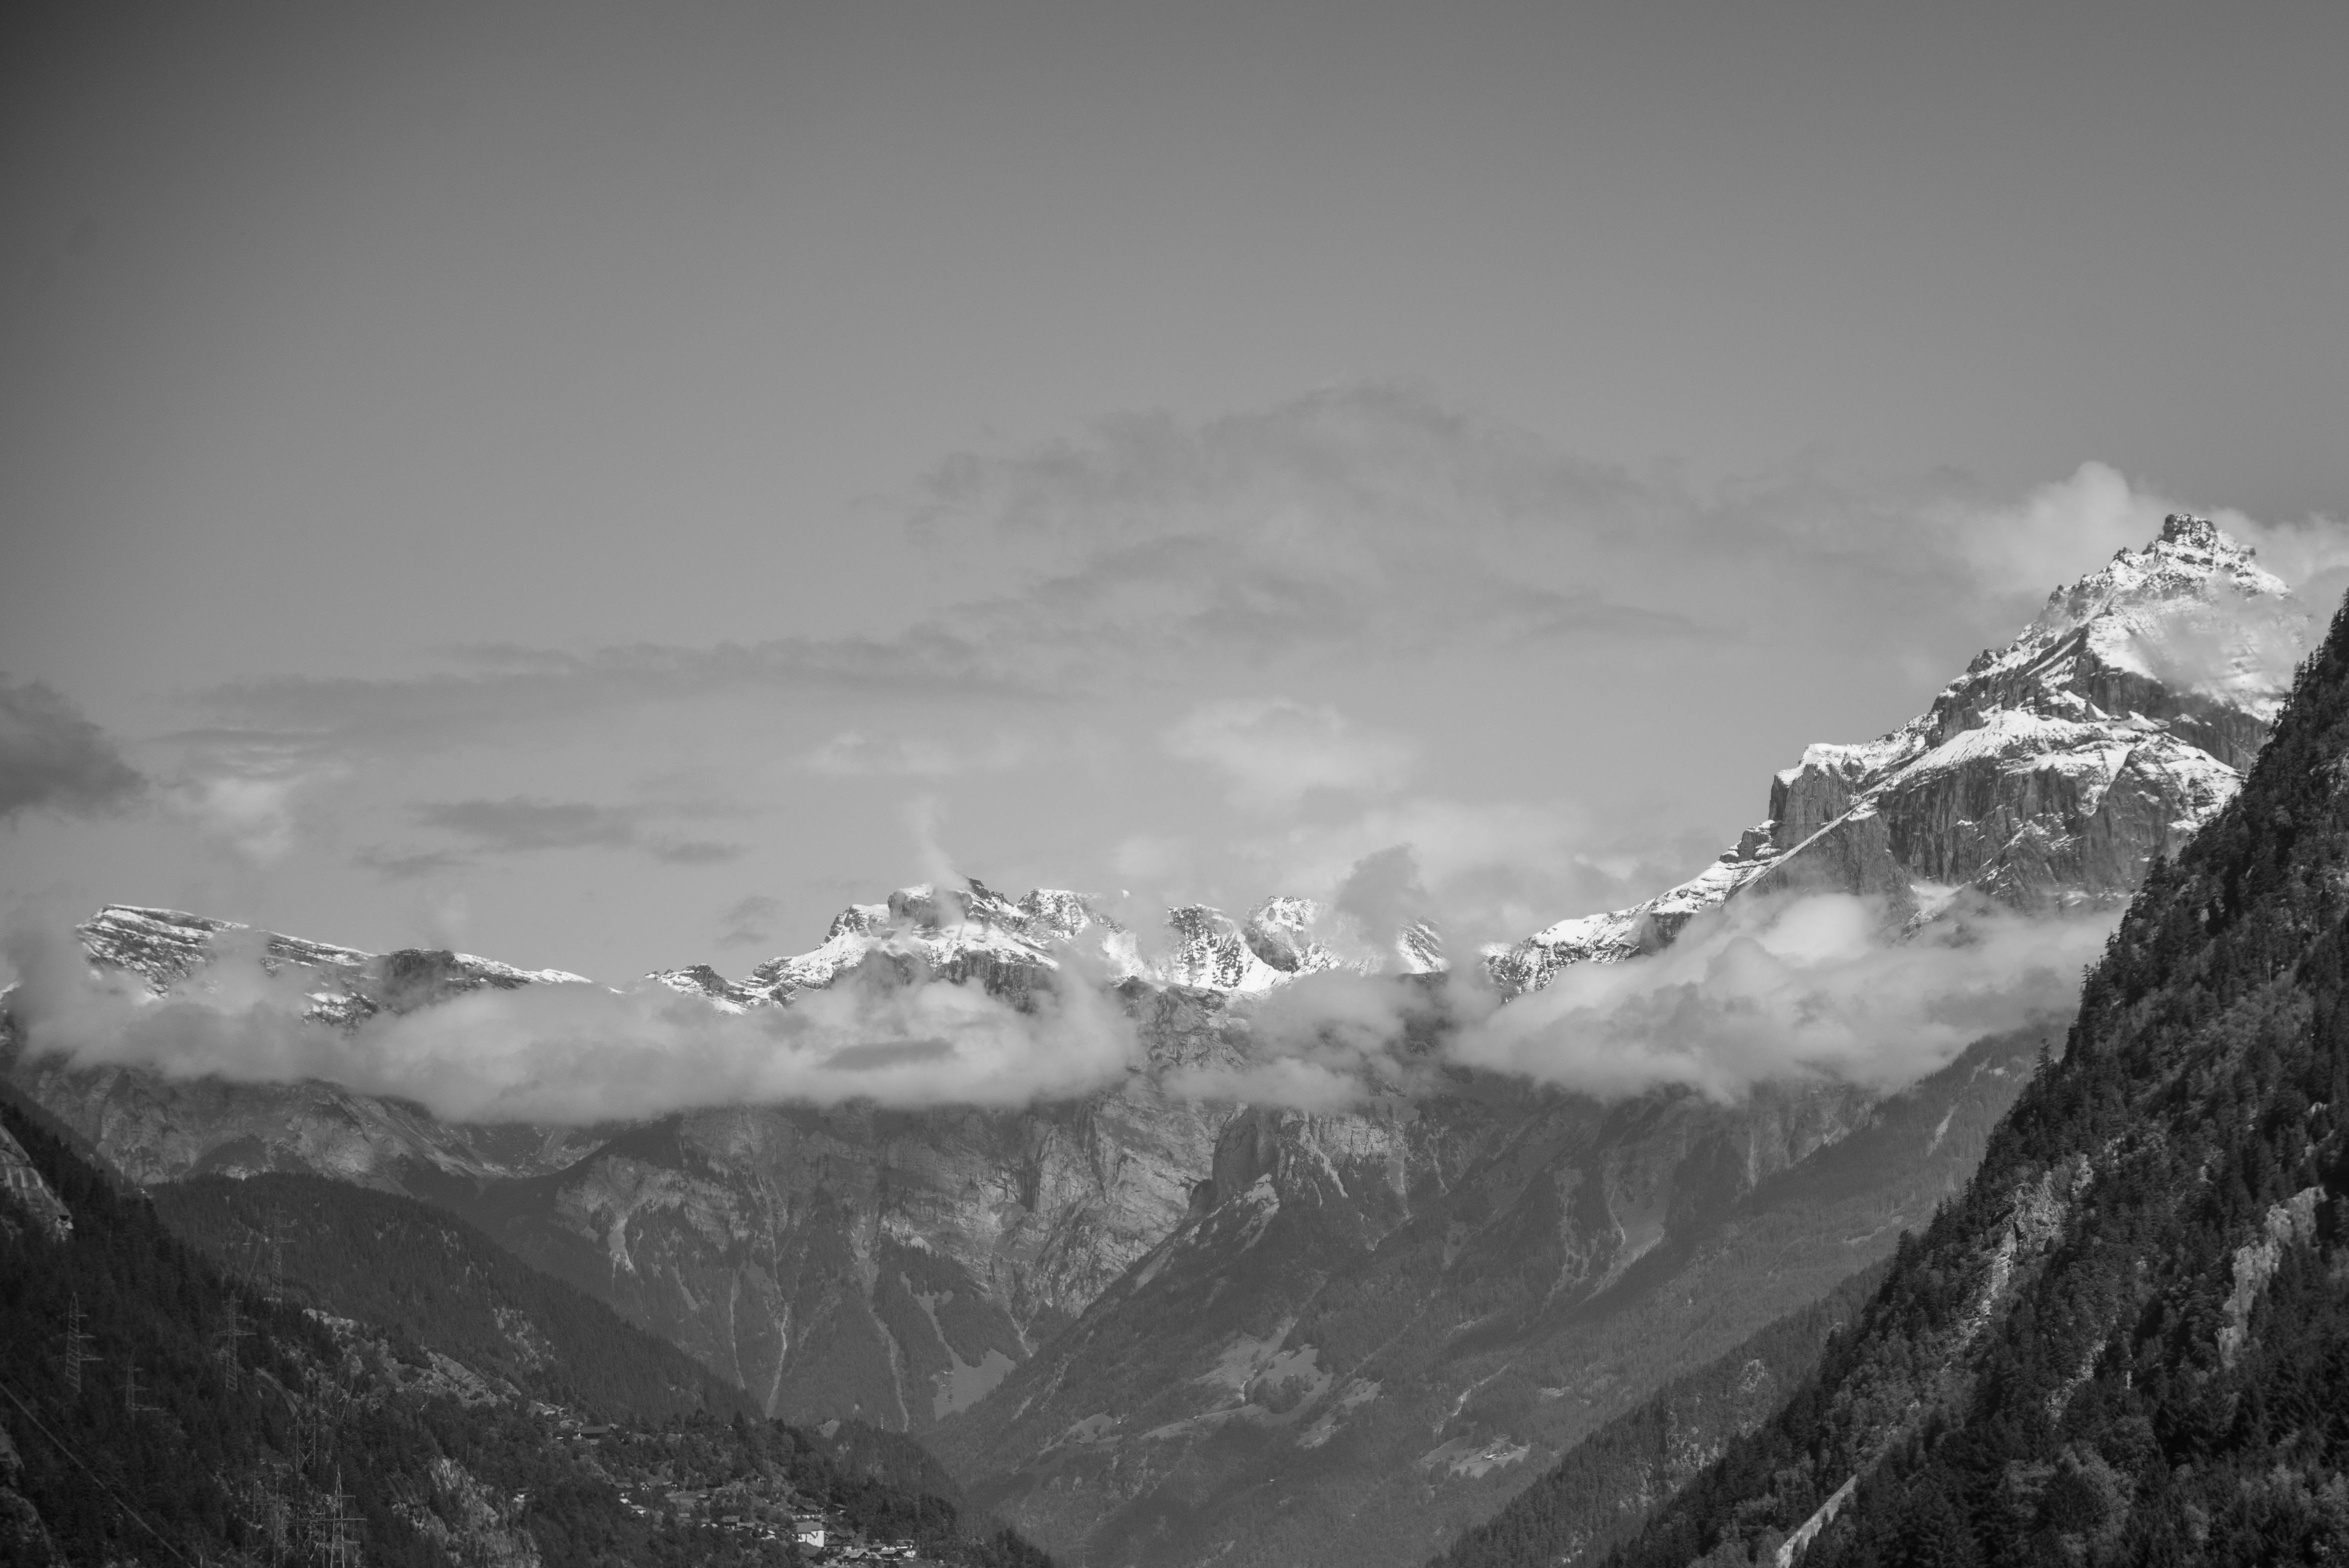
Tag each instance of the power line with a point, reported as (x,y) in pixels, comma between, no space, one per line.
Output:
(103,1484)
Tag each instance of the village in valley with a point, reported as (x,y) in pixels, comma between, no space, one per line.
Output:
(670,1474)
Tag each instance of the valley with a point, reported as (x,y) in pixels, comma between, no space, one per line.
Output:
(1151,1327)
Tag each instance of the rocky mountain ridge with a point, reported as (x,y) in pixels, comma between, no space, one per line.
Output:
(1351,1291)
(2051,773)
(974,933)
(2128,1341)
(1232,1273)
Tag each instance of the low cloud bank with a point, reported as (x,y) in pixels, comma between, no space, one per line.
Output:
(1778,989)
(1763,990)
(1337,1040)
(1819,988)
(580,1053)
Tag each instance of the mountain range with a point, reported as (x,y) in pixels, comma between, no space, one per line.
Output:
(1148,1326)
(2126,1340)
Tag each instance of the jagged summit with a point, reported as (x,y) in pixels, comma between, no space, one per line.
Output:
(970,932)
(2124,1341)
(2051,773)
(2192,612)
(345,985)
(975,932)
(2190,558)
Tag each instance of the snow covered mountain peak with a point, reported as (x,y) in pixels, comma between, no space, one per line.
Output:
(2048,774)
(2192,559)
(970,932)
(166,947)
(975,932)
(2192,612)
(1277,941)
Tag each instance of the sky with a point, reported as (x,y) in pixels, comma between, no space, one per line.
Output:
(605,487)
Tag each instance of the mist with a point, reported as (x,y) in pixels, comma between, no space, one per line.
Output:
(1822,987)
(579,1053)
(1815,987)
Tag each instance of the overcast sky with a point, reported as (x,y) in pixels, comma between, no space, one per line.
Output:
(605,488)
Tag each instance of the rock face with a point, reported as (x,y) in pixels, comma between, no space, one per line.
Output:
(954,934)
(2125,1342)
(850,1262)
(156,1128)
(2050,773)
(21,1185)
(1155,1330)
(887,1265)
(1371,1329)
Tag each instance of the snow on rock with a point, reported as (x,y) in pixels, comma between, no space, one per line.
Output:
(169,947)
(975,932)
(2049,774)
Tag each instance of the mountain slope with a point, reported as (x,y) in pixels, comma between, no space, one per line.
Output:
(898,1267)
(431,1279)
(158,1128)
(2130,1340)
(137,1426)
(2050,773)
(1606,1485)
(1373,1330)
(153,1410)
(1373,1325)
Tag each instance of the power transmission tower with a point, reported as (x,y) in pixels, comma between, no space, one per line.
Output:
(273,1242)
(228,1336)
(339,1544)
(264,1252)
(307,1441)
(76,1353)
(130,1394)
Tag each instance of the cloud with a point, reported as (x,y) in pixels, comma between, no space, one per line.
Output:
(1763,990)
(1381,896)
(248,793)
(1335,1040)
(749,922)
(498,689)
(1369,513)
(924,817)
(857,754)
(1129,562)
(1273,751)
(2055,531)
(445,921)
(54,758)
(394,865)
(1492,869)
(1768,989)
(692,851)
(521,825)
(578,1053)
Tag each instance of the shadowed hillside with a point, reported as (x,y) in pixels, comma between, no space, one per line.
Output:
(2128,1340)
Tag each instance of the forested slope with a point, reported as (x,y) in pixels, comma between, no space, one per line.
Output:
(2128,1339)
(424,1274)
(1606,1485)
(154,1410)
